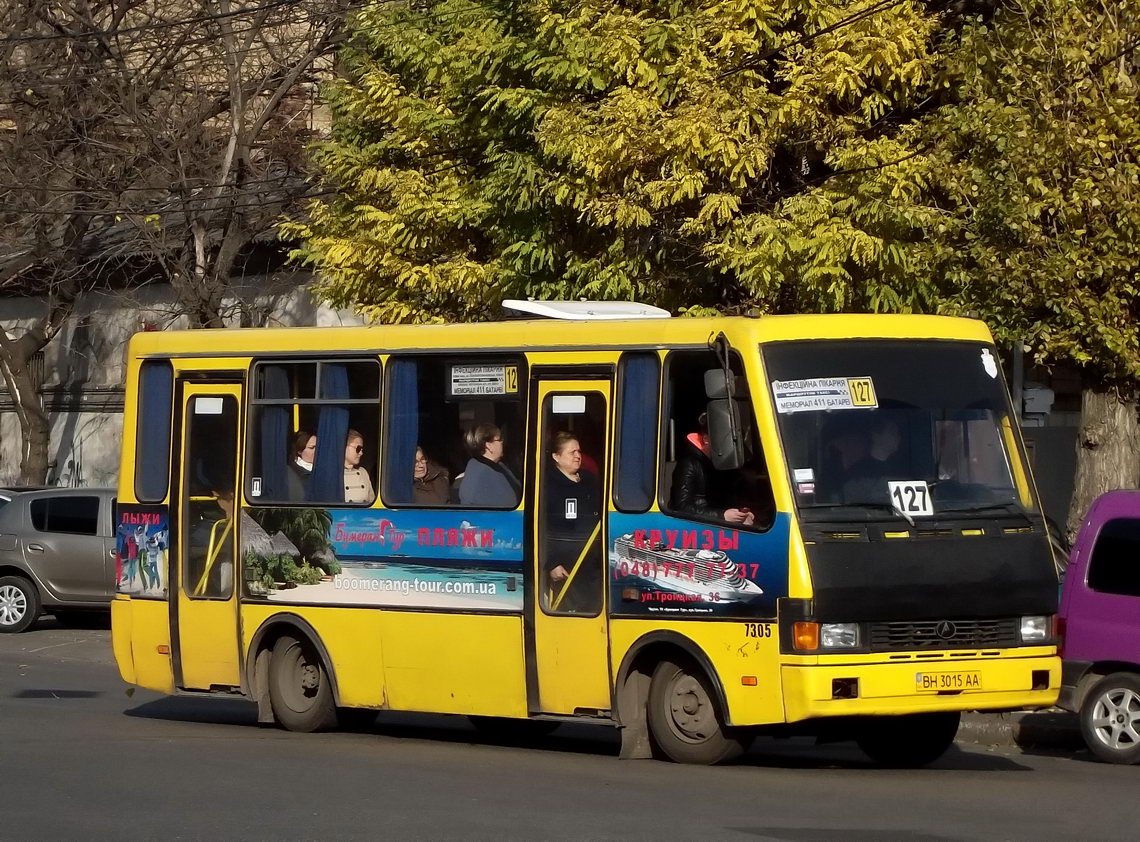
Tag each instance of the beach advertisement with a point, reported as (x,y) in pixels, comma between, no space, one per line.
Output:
(662,566)
(465,560)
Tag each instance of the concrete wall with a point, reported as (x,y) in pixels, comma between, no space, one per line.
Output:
(83,367)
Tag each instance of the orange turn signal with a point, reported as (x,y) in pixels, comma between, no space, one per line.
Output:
(163,649)
(805,636)
(748,680)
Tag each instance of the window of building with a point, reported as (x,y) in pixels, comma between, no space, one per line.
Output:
(456,432)
(152,433)
(72,515)
(314,427)
(638,396)
(690,487)
(1115,564)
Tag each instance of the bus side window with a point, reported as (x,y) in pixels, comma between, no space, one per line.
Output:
(639,393)
(448,417)
(313,432)
(152,439)
(690,487)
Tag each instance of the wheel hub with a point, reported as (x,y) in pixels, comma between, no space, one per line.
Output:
(691,710)
(310,677)
(13,604)
(1116,719)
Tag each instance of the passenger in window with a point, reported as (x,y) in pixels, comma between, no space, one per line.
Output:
(357,484)
(486,481)
(304,451)
(431,484)
(701,490)
(571,511)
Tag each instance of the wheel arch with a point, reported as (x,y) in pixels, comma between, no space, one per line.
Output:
(255,674)
(1095,673)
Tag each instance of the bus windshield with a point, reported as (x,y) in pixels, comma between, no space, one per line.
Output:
(920,429)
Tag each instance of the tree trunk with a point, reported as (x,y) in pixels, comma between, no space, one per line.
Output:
(1108,451)
(34,428)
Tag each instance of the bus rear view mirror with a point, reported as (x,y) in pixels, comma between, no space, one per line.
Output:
(717,384)
(726,434)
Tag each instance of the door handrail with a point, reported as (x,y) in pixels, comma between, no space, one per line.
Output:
(574,571)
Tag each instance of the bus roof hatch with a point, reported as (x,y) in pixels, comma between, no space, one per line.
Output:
(586,310)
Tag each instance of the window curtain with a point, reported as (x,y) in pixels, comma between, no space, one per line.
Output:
(275,430)
(327,482)
(156,402)
(637,445)
(403,431)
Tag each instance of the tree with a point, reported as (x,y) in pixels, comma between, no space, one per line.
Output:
(142,140)
(1018,198)
(593,148)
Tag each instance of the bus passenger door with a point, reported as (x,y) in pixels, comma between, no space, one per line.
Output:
(204,615)
(568,586)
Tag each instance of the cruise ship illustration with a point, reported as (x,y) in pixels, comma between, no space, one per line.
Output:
(697,572)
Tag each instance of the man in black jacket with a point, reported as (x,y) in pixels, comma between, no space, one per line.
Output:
(701,490)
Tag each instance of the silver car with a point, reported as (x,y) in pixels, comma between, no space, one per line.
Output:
(57,554)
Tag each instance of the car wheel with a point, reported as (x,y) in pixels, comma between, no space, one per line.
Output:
(300,690)
(684,720)
(910,740)
(19,604)
(1110,718)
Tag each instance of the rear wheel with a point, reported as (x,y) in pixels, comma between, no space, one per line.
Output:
(915,739)
(684,719)
(1110,718)
(299,687)
(19,604)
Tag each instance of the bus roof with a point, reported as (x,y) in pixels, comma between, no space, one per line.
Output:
(551,334)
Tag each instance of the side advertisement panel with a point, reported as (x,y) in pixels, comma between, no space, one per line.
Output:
(142,541)
(662,565)
(457,559)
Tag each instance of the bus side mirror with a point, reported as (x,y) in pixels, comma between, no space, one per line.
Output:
(726,451)
(717,384)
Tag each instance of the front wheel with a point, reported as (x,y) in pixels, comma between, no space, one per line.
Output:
(915,739)
(299,687)
(1110,718)
(19,604)
(684,720)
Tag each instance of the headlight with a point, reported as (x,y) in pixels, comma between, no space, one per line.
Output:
(1035,629)
(838,635)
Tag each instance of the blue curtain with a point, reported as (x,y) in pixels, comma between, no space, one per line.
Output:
(275,430)
(403,431)
(637,439)
(156,400)
(327,482)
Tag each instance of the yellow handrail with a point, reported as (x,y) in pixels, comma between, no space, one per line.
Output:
(212,552)
(577,565)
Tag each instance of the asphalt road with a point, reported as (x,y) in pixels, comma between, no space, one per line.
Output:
(81,759)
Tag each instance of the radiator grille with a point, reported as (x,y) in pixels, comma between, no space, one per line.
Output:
(945,634)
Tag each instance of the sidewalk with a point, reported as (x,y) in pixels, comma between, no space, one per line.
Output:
(1052,728)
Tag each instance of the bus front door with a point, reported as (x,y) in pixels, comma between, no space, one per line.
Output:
(204,615)
(570,631)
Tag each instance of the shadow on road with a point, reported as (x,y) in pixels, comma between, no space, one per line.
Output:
(804,753)
(184,709)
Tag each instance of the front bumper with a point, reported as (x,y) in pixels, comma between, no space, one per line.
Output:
(891,688)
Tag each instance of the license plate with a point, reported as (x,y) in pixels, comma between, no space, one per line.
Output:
(933,682)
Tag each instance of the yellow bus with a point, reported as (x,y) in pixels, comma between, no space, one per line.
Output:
(692,529)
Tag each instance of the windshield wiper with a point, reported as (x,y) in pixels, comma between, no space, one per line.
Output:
(879,507)
(1010,508)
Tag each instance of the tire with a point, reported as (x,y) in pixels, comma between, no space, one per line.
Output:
(300,690)
(908,741)
(508,730)
(1110,718)
(685,721)
(19,604)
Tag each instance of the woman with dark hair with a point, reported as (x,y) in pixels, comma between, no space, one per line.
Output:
(302,453)
(571,510)
(487,482)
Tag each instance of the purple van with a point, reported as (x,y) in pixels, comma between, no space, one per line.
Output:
(1100,622)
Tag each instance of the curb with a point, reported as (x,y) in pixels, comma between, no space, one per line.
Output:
(1052,728)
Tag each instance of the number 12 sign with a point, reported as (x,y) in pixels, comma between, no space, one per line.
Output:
(911,497)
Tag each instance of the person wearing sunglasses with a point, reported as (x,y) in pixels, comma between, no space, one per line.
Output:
(357,484)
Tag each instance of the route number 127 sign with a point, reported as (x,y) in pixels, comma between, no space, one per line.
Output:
(911,497)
